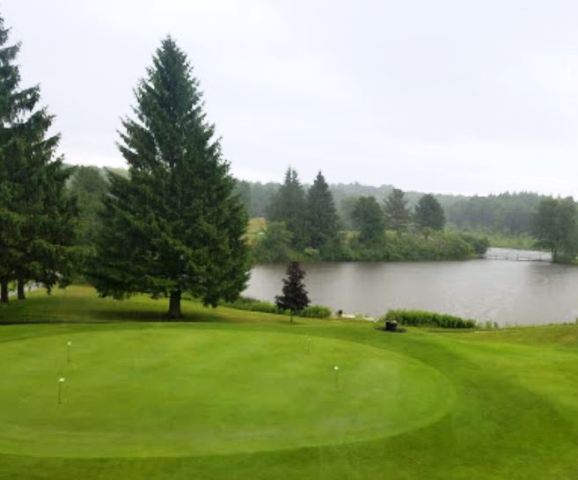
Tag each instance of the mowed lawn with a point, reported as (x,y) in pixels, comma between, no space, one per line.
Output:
(238,395)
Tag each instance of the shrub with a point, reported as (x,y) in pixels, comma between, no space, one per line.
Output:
(423,318)
(479,244)
(316,311)
(274,245)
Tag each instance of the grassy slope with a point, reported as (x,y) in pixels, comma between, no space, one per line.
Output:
(515,413)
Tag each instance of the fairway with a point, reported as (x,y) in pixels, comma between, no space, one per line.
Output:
(236,394)
(165,391)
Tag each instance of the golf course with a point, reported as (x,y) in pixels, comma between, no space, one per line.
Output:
(104,389)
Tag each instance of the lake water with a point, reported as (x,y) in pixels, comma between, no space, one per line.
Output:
(504,288)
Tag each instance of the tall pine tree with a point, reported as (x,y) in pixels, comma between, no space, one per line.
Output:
(288,205)
(322,219)
(175,225)
(396,211)
(37,218)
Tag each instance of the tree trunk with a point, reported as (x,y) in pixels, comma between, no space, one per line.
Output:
(21,293)
(175,305)
(4,291)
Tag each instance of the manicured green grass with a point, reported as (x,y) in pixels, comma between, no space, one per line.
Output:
(242,395)
(175,390)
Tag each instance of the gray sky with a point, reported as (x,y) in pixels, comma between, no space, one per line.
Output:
(445,96)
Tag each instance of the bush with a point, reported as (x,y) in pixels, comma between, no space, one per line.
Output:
(316,311)
(273,245)
(254,305)
(418,318)
(411,246)
(479,244)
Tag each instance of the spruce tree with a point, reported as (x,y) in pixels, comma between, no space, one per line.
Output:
(429,214)
(288,206)
(37,218)
(294,295)
(322,219)
(396,211)
(175,225)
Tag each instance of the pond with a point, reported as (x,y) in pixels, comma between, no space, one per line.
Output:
(510,287)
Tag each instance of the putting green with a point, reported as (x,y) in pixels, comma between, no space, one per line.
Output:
(179,391)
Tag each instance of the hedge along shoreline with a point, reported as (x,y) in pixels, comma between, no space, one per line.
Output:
(254,305)
(418,318)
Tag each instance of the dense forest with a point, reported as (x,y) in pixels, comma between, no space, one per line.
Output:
(507,213)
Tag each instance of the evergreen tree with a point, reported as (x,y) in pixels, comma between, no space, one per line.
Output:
(429,214)
(88,185)
(322,220)
(396,210)
(288,206)
(175,225)
(9,235)
(294,295)
(47,253)
(36,214)
(368,218)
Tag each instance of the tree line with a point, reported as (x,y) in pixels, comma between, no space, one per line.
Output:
(304,223)
(505,213)
(509,214)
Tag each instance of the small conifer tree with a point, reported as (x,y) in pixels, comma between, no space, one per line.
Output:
(294,295)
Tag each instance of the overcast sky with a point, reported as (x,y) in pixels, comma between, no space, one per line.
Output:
(442,96)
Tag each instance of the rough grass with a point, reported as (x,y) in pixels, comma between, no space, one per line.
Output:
(511,411)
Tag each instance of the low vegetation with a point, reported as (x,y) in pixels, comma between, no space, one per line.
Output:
(273,246)
(418,318)
(522,241)
(254,305)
